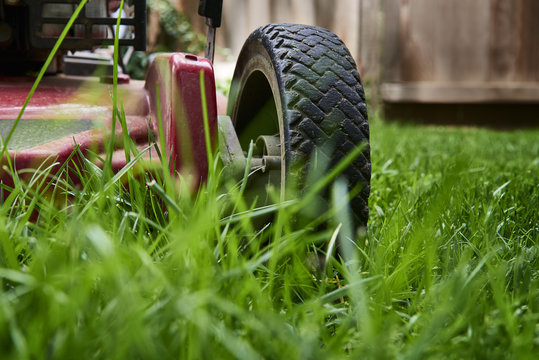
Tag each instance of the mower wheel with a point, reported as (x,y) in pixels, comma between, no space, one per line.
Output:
(300,83)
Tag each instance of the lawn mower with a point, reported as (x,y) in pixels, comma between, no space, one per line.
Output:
(296,103)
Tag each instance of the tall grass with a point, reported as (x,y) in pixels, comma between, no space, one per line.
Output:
(448,269)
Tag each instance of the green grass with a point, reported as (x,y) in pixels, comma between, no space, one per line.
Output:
(449,267)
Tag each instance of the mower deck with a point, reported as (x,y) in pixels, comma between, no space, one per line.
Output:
(68,112)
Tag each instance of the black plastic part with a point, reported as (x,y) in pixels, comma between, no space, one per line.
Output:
(212,10)
(39,41)
(80,66)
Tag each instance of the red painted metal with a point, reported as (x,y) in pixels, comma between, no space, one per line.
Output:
(76,98)
(177,76)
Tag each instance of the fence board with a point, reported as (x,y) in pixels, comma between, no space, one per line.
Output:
(391,49)
(368,53)
(502,45)
(527,65)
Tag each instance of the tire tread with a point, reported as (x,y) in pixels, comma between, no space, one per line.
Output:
(325,101)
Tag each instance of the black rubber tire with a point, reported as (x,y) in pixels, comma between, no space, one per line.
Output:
(311,83)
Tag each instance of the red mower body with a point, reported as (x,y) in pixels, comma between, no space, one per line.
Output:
(66,113)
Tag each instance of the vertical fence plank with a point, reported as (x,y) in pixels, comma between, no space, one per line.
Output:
(391,50)
(368,53)
(503,40)
(527,41)
(346,23)
(303,11)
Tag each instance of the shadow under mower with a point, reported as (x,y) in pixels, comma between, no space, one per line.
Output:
(296,94)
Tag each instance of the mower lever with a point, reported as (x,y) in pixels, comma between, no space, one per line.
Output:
(211,10)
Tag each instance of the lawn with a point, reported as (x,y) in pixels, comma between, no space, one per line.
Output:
(449,266)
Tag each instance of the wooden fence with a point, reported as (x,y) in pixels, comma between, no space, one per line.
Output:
(454,51)
(241,17)
(433,51)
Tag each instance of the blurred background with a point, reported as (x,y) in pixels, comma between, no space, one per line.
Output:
(444,61)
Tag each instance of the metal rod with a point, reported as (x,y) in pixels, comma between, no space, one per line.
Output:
(210,42)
